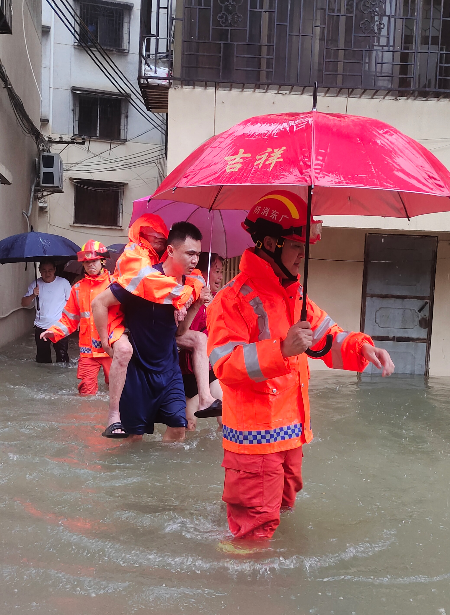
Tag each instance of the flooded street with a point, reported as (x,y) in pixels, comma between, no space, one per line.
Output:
(99,526)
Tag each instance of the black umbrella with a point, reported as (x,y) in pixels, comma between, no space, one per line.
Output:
(34,247)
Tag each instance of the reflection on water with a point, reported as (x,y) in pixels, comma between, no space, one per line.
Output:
(98,526)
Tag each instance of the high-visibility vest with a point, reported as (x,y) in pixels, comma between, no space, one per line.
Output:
(265,396)
(77,312)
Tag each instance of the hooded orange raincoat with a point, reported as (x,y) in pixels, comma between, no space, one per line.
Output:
(265,396)
(135,273)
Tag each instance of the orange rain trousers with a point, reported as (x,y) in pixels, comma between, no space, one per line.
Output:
(257,487)
(88,369)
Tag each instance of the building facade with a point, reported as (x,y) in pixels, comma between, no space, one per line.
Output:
(113,148)
(20,141)
(232,60)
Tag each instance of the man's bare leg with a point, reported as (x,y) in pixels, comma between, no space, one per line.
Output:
(174,434)
(196,341)
(122,353)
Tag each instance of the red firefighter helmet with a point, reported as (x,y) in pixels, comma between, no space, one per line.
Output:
(92,251)
(281,214)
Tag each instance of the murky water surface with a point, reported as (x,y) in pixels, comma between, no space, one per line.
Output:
(98,526)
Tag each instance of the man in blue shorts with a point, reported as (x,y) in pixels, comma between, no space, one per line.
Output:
(154,391)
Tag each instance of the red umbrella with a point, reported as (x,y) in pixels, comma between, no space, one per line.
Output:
(378,170)
(342,164)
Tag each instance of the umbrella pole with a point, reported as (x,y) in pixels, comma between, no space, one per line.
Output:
(210,246)
(35,279)
(316,354)
(306,262)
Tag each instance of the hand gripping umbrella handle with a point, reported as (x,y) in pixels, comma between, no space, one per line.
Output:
(316,354)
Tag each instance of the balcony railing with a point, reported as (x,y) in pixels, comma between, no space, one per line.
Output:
(397,46)
(5,16)
(389,45)
(156,57)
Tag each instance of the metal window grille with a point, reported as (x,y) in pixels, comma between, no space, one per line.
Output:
(108,24)
(101,117)
(98,203)
(5,16)
(156,48)
(389,45)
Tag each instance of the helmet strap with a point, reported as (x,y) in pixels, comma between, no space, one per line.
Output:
(276,257)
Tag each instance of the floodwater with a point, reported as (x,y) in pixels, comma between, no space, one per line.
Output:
(96,526)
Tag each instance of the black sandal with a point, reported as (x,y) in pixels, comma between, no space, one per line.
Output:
(215,409)
(109,431)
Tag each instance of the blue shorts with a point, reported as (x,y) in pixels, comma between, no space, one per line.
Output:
(151,397)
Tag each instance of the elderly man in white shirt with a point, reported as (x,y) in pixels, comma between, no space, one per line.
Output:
(53,293)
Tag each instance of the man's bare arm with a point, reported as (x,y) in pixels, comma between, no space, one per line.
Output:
(205,298)
(100,306)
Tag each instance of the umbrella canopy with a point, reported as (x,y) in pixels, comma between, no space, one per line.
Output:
(340,164)
(33,247)
(228,237)
(357,166)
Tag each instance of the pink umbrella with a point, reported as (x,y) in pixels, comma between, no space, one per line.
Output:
(228,237)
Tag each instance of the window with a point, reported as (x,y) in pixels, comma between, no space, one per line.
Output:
(100,116)
(108,23)
(98,203)
(5,16)
(395,45)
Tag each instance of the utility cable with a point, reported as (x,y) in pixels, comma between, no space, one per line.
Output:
(100,154)
(100,66)
(23,119)
(133,158)
(95,43)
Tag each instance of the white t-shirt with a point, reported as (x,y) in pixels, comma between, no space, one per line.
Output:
(53,297)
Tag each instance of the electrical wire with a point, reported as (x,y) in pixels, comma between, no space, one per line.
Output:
(100,66)
(28,55)
(111,159)
(22,117)
(95,43)
(100,154)
(123,167)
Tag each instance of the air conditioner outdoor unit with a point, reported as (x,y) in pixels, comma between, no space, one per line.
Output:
(51,172)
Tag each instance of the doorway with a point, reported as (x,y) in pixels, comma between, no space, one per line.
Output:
(397,302)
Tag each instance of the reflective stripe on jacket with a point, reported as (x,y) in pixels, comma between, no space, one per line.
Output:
(77,312)
(265,396)
(135,273)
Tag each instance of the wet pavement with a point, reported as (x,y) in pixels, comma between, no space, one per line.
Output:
(96,526)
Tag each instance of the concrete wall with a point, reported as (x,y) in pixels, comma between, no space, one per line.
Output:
(20,53)
(336,269)
(66,65)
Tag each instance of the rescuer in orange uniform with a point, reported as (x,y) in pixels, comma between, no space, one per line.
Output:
(257,346)
(77,312)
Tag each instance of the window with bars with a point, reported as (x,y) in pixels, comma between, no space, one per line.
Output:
(5,16)
(100,116)
(106,23)
(98,203)
(400,45)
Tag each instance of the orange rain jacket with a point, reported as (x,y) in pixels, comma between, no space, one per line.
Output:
(77,311)
(135,273)
(265,396)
